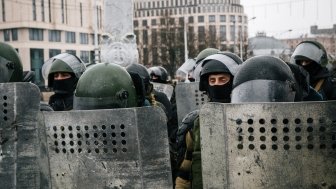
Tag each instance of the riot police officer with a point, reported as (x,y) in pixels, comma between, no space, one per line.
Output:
(105,86)
(158,74)
(11,69)
(216,79)
(264,79)
(312,56)
(63,72)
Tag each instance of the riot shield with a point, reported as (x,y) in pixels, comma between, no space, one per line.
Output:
(119,148)
(188,98)
(269,145)
(164,88)
(23,160)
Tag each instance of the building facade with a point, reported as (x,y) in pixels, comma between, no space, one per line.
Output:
(160,26)
(41,29)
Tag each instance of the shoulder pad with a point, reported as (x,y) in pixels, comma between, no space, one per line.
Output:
(190,117)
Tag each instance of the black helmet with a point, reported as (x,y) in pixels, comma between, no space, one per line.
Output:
(311,50)
(160,73)
(141,80)
(10,64)
(105,86)
(263,79)
(217,64)
(141,71)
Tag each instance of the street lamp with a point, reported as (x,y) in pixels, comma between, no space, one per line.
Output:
(241,37)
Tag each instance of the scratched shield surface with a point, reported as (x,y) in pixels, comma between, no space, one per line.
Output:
(167,89)
(121,148)
(188,98)
(269,145)
(23,161)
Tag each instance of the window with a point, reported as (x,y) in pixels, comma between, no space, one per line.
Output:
(84,38)
(42,10)
(191,19)
(212,32)
(232,18)
(144,23)
(73,52)
(36,63)
(49,7)
(222,18)
(3,10)
(232,33)
(154,37)
(62,6)
(240,19)
(34,10)
(200,18)
(70,37)
(212,18)
(181,21)
(171,21)
(162,21)
(35,34)
(54,52)
(85,56)
(55,35)
(222,34)
(135,23)
(7,35)
(81,13)
(201,33)
(153,22)
(145,37)
(14,34)
(145,56)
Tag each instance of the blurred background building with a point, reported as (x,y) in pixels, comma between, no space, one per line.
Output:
(168,31)
(161,27)
(40,29)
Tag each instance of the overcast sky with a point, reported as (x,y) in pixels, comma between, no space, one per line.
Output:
(276,17)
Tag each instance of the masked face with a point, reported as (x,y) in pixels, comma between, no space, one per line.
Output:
(220,87)
(64,83)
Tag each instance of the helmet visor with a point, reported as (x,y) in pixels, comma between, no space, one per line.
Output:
(6,70)
(187,66)
(72,61)
(307,50)
(263,91)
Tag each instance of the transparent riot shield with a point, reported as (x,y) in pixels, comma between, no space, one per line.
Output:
(120,148)
(23,160)
(188,98)
(269,145)
(164,88)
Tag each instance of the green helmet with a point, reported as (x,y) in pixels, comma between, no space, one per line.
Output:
(10,64)
(64,62)
(311,50)
(205,53)
(105,86)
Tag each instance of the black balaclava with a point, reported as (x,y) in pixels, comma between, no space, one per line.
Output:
(65,86)
(220,93)
(312,68)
